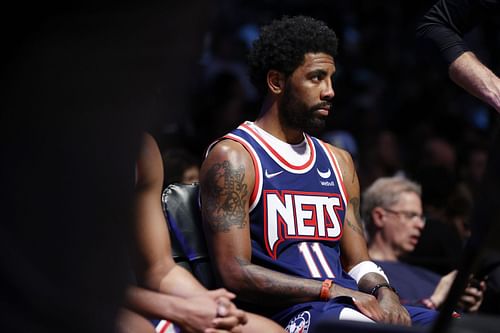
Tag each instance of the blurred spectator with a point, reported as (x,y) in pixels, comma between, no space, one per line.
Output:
(473,164)
(180,166)
(381,159)
(225,53)
(220,106)
(458,211)
(438,152)
(393,216)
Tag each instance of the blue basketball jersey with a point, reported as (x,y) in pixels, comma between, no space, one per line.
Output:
(296,211)
(296,221)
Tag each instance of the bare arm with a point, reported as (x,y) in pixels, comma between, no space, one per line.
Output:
(227,179)
(167,290)
(155,268)
(470,74)
(353,242)
(445,24)
(354,247)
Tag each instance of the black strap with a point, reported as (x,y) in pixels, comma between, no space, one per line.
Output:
(375,289)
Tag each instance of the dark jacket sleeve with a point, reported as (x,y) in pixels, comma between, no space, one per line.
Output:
(447,21)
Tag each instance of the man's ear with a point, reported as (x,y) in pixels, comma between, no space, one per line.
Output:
(378,217)
(275,81)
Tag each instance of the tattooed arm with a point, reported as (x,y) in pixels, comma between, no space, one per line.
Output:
(354,247)
(353,242)
(227,179)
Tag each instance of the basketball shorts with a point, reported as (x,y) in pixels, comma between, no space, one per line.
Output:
(303,317)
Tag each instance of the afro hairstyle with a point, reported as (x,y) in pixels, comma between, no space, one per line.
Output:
(283,44)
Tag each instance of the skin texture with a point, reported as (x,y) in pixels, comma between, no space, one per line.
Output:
(397,235)
(165,289)
(227,177)
(477,79)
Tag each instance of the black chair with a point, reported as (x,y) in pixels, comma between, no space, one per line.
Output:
(181,207)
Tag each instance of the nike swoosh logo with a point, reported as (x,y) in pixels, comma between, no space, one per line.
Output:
(271,175)
(325,174)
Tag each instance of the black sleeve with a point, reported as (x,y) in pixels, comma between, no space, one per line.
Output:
(448,20)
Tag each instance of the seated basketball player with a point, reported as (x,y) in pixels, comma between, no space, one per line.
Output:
(281,208)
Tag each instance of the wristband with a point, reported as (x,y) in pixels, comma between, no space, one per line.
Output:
(375,289)
(324,294)
(365,267)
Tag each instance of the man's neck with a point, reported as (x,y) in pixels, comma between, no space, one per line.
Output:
(378,250)
(269,120)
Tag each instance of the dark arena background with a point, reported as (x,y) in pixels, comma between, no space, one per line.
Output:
(81,81)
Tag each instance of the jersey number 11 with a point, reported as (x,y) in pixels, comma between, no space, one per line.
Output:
(311,250)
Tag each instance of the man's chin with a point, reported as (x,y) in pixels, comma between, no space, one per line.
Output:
(409,248)
(315,127)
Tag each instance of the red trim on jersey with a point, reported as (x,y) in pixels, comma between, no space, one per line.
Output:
(278,156)
(337,169)
(280,221)
(257,181)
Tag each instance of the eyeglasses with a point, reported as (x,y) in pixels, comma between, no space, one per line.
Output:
(406,214)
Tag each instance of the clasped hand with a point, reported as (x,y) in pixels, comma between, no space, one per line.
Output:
(213,312)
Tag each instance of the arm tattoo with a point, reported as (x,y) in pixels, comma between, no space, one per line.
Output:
(226,193)
(282,288)
(356,226)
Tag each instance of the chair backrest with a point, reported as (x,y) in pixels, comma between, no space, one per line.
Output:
(177,252)
(182,210)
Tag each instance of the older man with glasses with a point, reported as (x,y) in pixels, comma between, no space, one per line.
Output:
(392,212)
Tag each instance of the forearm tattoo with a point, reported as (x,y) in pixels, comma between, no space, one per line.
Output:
(356,225)
(225,199)
(281,288)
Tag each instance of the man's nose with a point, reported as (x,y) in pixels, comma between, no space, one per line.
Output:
(420,223)
(328,92)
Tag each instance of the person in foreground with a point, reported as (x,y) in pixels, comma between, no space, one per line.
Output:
(445,24)
(166,291)
(392,212)
(281,208)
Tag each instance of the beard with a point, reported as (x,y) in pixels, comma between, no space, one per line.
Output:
(298,115)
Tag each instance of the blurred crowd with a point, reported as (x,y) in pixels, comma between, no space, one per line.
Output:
(395,109)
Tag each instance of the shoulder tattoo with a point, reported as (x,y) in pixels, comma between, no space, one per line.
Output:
(225,197)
